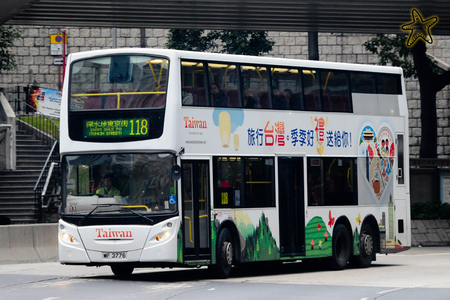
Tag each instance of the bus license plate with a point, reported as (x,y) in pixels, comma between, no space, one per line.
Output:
(114,255)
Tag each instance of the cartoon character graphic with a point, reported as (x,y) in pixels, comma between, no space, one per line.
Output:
(378,150)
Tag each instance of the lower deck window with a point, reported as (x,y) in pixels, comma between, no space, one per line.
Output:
(244,182)
(332,181)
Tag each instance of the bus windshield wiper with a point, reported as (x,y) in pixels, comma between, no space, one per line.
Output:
(142,216)
(95,208)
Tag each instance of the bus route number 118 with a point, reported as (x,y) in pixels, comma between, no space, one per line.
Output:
(139,127)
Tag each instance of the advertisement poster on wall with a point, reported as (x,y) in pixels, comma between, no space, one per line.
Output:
(445,188)
(46,101)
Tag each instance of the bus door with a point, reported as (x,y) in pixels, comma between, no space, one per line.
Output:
(401,212)
(291,206)
(196,212)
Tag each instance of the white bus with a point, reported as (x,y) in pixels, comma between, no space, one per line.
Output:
(174,158)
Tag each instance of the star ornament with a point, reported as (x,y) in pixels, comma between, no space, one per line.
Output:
(419,28)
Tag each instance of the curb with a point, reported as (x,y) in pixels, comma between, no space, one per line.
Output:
(28,243)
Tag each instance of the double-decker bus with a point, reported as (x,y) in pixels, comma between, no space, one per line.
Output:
(175,158)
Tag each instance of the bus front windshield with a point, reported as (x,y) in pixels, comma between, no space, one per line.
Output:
(119,184)
(118,82)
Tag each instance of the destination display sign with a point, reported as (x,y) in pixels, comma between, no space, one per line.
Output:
(133,127)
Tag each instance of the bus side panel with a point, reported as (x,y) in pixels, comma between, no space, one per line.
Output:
(258,232)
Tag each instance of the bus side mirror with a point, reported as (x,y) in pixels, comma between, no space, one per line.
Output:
(120,69)
(176,172)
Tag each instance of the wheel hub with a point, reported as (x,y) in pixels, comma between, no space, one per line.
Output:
(229,253)
(367,242)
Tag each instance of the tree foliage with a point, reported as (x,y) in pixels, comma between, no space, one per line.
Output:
(245,42)
(391,49)
(224,41)
(7,36)
(191,39)
(415,63)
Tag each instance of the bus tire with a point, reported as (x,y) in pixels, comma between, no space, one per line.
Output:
(122,270)
(224,255)
(366,247)
(341,245)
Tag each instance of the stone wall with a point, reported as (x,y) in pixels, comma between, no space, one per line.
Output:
(430,233)
(35,64)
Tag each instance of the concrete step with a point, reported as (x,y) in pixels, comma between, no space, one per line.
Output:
(18,209)
(32,151)
(16,195)
(18,174)
(17,184)
(30,168)
(40,147)
(29,162)
(25,142)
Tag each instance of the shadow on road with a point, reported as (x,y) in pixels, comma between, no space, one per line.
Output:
(241,271)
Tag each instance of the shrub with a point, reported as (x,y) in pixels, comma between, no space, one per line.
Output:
(430,211)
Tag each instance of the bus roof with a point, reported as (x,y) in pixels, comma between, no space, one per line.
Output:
(261,60)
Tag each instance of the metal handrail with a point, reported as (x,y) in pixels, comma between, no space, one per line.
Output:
(45,165)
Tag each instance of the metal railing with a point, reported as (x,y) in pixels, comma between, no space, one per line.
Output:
(47,187)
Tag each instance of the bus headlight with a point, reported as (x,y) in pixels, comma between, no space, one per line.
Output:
(67,237)
(166,234)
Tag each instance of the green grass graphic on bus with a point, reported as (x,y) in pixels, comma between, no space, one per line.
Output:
(259,242)
(356,242)
(180,246)
(318,238)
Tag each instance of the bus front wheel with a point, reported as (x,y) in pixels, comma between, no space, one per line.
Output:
(225,255)
(122,270)
(341,242)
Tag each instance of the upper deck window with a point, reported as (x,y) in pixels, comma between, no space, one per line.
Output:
(257,86)
(118,82)
(335,91)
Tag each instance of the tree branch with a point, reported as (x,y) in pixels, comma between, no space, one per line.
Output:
(442,80)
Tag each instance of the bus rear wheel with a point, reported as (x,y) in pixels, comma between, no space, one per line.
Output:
(225,255)
(122,270)
(366,247)
(341,242)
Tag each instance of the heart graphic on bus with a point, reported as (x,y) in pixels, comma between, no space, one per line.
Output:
(378,150)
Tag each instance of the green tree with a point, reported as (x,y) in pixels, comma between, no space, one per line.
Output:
(7,36)
(415,63)
(191,39)
(231,41)
(245,42)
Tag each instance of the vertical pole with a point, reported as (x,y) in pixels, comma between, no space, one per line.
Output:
(114,37)
(313,45)
(64,56)
(143,42)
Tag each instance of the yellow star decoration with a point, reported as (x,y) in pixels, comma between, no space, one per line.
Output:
(420,28)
